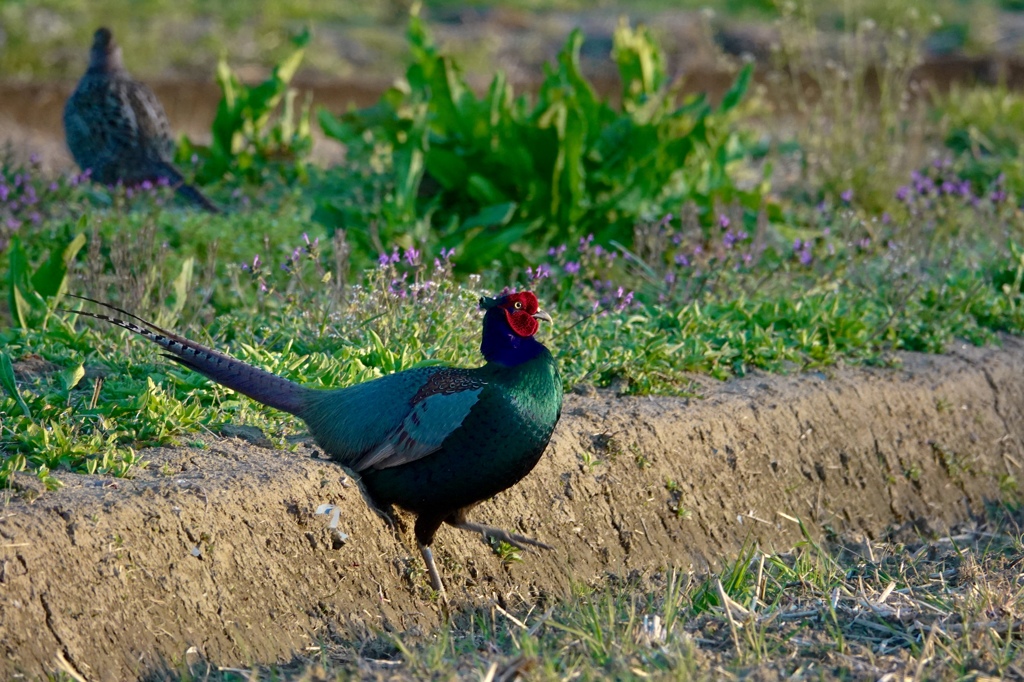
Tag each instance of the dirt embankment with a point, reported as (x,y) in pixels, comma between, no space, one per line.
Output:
(216,551)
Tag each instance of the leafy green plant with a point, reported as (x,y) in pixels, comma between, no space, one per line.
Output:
(502,177)
(28,289)
(250,136)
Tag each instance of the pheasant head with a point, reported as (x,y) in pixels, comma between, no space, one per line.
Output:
(509,327)
(105,55)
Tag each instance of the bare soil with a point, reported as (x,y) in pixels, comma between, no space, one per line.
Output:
(215,551)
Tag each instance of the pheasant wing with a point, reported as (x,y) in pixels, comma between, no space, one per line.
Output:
(439,407)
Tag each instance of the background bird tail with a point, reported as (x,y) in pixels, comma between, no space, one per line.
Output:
(186,190)
(197,198)
(258,384)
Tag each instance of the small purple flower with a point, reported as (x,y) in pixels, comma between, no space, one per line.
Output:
(847,196)
(34,159)
(903,193)
(147,186)
(723,221)
(572,267)
(797,244)
(5,192)
(886,218)
(670,277)
(412,256)
(163,182)
(998,196)
(681,260)
(805,257)
(543,271)
(624,301)
(865,243)
(729,239)
(54,186)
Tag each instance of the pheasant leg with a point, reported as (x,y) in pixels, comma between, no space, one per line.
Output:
(513,539)
(435,577)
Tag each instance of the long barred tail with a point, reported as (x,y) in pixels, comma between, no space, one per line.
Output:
(258,384)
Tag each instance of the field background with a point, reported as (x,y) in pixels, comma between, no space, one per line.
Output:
(848,192)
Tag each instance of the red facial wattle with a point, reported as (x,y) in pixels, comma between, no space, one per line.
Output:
(521,318)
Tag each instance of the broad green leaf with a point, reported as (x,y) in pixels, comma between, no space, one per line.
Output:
(10,384)
(50,278)
(738,89)
(71,376)
(182,285)
(496,215)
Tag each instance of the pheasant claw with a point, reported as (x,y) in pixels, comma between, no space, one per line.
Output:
(514,539)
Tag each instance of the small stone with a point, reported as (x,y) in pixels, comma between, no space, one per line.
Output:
(250,434)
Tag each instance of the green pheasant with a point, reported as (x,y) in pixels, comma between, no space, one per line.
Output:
(116,128)
(436,440)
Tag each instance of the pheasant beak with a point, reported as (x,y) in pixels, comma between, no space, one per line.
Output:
(542,315)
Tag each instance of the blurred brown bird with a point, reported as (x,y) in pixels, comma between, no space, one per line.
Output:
(116,128)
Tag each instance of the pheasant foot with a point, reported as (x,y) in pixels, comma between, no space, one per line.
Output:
(513,539)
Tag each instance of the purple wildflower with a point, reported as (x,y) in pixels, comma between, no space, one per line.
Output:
(847,196)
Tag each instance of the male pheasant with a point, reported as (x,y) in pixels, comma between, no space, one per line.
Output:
(116,128)
(435,440)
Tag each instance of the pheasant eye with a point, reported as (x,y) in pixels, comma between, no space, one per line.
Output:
(519,305)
